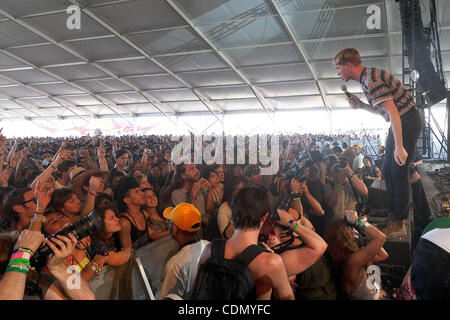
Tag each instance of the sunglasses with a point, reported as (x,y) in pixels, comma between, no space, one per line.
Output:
(32,199)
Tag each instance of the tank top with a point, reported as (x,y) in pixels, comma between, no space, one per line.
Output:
(369,288)
(139,238)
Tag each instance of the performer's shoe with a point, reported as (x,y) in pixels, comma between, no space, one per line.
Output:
(395,229)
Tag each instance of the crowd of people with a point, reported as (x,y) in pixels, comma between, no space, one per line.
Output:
(308,235)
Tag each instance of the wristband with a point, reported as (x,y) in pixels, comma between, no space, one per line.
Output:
(21,261)
(296,199)
(23,250)
(92,193)
(21,255)
(38,219)
(291,223)
(337,186)
(92,266)
(17,268)
(295,226)
(365,225)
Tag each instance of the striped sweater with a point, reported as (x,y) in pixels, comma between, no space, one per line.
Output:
(379,85)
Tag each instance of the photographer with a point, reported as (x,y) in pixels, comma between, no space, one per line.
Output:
(342,192)
(18,279)
(352,261)
(299,249)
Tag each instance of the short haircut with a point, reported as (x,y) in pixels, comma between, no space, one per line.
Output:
(207,171)
(348,55)
(119,153)
(13,198)
(125,184)
(249,207)
(59,198)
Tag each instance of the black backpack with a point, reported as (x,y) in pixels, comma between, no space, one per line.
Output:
(224,279)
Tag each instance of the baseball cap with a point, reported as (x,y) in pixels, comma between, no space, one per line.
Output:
(185,216)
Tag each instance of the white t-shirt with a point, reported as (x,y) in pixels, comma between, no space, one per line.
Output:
(181,271)
(358,162)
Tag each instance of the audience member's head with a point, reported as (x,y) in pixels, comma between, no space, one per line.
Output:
(185,221)
(249,207)
(128,194)
(252,173)
(19,207)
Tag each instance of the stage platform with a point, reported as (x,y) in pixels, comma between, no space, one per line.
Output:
(436,183)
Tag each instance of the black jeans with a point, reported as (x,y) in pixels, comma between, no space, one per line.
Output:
(397,185)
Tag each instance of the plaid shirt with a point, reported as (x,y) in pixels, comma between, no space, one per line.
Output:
(379,86)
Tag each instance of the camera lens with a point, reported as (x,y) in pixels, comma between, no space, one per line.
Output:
(80,229)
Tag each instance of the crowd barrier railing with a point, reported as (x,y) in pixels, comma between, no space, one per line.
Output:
(140,278)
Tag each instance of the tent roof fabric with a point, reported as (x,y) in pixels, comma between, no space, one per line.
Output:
(175,57)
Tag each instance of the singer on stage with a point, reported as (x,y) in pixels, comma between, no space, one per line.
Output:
(388,97)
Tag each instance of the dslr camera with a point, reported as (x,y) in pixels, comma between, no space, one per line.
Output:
(80,229)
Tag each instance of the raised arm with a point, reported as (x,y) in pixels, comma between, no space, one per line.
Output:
(298,260)
(12,285)
(47,173)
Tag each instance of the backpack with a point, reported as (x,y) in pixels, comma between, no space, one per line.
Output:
(224,279)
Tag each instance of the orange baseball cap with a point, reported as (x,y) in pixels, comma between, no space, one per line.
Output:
(185,216)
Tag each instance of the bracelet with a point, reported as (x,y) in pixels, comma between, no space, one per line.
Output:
(365,225)
(17,268)
(296,199)
(38,219)
(295,195)
(351,176)
(21,255)
(337,186)
(92,266)
(19,260)
(295,226)
(92,193)
(290,223)
(23,250)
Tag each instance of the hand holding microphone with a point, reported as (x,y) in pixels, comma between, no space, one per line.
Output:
(353,100)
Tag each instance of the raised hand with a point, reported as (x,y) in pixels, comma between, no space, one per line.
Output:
(43,194)
(95,184)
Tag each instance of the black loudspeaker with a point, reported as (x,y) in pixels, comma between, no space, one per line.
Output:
(417,46)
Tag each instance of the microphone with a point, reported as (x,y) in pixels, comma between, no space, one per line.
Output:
(344,88)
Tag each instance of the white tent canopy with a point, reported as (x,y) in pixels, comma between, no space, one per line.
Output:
(167,61)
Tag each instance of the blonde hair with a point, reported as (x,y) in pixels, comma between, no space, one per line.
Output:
(349,55)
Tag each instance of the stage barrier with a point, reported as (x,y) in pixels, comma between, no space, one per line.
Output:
(140,278)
